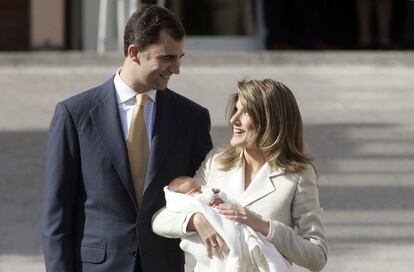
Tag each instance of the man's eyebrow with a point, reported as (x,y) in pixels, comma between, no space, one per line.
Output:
(172,56)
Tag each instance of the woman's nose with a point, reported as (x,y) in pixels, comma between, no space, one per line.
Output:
(234,120)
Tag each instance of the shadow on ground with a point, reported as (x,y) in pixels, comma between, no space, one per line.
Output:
(22,156)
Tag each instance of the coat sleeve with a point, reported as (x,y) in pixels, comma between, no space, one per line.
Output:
(306,246)
(61,187)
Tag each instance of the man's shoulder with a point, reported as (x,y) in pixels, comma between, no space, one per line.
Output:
(88,97)
(80,99)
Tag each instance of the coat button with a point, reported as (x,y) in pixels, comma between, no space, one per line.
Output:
(132,252)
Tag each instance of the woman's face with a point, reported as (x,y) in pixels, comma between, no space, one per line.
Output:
(242,126)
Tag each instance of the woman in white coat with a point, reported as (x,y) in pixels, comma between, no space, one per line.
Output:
(267,169)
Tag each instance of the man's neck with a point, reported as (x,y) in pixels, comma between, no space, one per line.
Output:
(129,74)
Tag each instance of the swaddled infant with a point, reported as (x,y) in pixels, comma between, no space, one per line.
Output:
(186,185)
(249,251)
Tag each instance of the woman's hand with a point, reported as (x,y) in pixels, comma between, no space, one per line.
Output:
(212,240)
(244,216)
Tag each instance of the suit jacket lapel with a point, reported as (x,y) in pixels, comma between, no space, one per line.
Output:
(105,117)
(260,186)
(165,129)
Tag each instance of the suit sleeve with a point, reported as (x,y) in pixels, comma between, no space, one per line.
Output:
(202,141)
(61,187)
(307,246)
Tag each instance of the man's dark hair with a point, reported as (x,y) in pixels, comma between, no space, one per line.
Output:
(144,26)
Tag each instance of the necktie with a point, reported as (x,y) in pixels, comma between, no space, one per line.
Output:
(137,144)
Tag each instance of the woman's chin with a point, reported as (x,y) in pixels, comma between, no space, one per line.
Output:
(236,143)
(233,142)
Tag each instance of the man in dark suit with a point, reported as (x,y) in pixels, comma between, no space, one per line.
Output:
(95,218)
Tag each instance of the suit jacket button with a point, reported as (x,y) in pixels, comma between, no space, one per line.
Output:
(132,252)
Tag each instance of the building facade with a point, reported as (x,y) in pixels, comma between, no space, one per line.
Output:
(98,24)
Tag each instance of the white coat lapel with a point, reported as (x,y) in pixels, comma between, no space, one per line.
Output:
(231,182)
(260,186)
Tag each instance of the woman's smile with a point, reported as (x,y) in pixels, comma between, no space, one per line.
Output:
(238,131)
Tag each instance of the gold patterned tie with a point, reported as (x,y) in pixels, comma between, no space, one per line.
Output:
(137,144)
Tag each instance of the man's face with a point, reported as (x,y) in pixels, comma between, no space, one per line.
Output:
(160,61)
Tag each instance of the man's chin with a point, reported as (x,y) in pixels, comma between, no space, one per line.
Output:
(162,87)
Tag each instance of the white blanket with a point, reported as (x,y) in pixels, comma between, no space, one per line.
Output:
(249,250)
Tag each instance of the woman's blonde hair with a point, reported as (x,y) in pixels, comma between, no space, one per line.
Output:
(278,128)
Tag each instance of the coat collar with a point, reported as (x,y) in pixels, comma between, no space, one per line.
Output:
(105,118)
(262,185)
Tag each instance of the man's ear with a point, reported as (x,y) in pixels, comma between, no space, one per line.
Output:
(133,52)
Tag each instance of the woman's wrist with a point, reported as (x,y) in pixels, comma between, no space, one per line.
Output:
(191,224)
(264,227)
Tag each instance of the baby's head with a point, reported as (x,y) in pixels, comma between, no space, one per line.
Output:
(184,185)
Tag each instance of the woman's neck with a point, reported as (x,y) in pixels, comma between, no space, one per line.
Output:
(254,160)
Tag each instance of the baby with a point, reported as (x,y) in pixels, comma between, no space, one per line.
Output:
(186,185)
(249,251)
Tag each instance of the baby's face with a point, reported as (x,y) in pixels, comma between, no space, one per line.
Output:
(193,188)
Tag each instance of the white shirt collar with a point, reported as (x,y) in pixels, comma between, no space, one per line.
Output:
(125,93)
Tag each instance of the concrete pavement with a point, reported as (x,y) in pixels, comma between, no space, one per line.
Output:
(358,113)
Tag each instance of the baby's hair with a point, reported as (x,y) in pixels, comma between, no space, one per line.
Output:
(176,183)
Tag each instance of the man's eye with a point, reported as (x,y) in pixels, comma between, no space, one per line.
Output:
(166,58)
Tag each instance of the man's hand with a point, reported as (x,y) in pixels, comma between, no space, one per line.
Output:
(212,240)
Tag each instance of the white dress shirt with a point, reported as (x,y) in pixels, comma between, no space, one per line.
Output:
(125,97)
